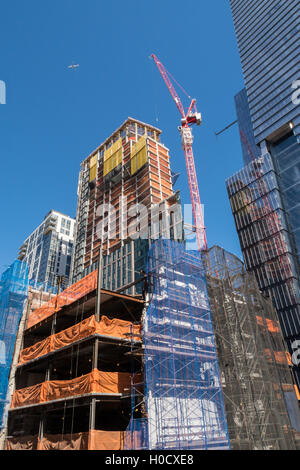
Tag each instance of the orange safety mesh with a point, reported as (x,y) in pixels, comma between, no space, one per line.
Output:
(106,327)
(68,296)
(289,358)
(281,357)
(272,326)
(287,387)
(94,382)
(93,440)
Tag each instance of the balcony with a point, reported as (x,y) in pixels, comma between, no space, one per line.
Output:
(23,251)
(50,225)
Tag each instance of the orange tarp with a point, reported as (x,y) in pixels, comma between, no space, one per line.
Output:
(95,382)
(72,293)
(104,440)
(27,396)
(77,441)
(21,443)
(93,440)
(37,350)
(115,327)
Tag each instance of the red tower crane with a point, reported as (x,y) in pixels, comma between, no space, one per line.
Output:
(187,120)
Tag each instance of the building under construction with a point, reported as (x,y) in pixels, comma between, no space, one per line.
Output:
(125,199)
(73,379)
(256,373)
(105,370)
(153,346)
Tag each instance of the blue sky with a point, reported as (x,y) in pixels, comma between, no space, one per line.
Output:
(54,117)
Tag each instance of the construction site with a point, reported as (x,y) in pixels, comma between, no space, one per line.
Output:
(199,364)
(153,346)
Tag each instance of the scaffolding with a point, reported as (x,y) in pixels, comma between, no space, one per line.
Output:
(13,292)
(183,394)
(73,382)
(256,379)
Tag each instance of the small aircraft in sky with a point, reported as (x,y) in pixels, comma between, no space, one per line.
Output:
(73,66)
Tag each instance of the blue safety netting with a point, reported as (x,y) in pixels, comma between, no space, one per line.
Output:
(13,292)
(136,435)
(183,393)
(43,286)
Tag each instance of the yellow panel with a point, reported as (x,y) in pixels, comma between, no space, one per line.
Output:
(106,155)
(106,167)
(112,162)
(141,158)
(93,172)
(138,146)
(93,161)
(117,145)
(133,165)
(112,149)
(138,160)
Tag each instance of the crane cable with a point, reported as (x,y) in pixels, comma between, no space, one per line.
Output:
(185,92)
(177,83)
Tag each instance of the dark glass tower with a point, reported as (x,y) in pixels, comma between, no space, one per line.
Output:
(265,194)
(268,39)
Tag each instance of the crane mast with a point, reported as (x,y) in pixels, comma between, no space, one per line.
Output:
(187,120)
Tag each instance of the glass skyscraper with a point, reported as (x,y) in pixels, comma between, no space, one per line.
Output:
(265,194)
(268,40)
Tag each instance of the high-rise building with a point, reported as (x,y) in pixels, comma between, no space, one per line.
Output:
(268,40)
(48,251)
(265,195)
(125,200)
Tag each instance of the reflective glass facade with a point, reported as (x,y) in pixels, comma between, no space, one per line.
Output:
(268,39)
(286,156)
(265,194)
(264,233)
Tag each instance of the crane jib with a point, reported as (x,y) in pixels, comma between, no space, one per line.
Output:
(188,119)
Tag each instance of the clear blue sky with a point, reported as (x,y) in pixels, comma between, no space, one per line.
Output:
(55,117)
